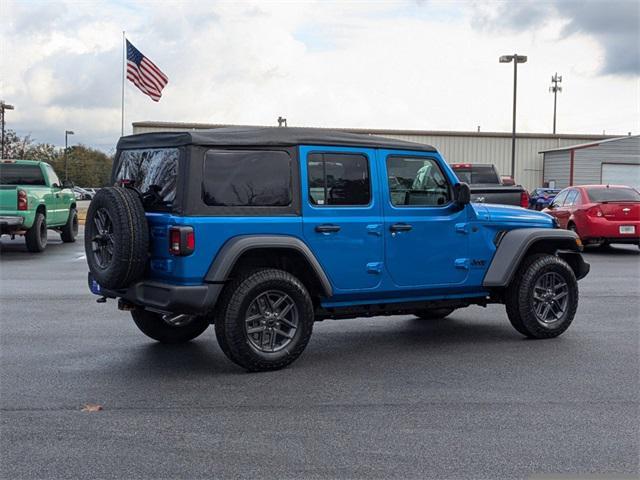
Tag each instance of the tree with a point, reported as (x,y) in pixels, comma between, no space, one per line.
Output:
(86,166)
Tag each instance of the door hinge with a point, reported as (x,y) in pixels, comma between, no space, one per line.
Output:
(462,263)
(374,267)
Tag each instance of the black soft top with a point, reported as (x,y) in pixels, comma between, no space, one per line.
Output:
(267,136)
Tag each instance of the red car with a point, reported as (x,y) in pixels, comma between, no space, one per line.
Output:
(599,214)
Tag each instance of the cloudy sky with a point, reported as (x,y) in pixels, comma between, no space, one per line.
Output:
(385,64)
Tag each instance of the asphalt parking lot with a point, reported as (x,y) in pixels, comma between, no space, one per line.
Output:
(397,397)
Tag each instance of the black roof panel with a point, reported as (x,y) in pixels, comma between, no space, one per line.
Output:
(267,136)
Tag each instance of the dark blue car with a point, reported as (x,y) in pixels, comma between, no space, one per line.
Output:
(542,197)
(263,231)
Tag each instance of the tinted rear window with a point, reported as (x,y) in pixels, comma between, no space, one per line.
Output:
(147,167)
(17,174)
(477,174)
(613,194)
(247,178)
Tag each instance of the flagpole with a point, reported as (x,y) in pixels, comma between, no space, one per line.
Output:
(124,47)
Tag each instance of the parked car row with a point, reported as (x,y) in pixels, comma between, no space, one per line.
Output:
(84,193)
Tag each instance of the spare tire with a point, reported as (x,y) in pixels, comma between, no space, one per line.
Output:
(116,237)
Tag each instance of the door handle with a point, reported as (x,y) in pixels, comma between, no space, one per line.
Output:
(327,228)
(400,227)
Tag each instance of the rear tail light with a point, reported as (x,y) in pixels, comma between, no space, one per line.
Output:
(524,200)
(182,241)
(595,212)
(23,203)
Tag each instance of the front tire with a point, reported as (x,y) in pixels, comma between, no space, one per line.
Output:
(264,320)
(70,230)
(36,236)
(542,299)
(168,328)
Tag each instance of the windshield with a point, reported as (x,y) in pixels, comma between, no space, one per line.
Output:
(153,166)
(20,174)
(603,194)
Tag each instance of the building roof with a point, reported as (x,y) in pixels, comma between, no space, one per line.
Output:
(377,131)
(587,145)
(265,136)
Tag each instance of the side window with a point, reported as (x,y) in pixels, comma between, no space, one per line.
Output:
(559,200)
(417,181)
(571,197)
(338,179)
(246,178)
(53,178)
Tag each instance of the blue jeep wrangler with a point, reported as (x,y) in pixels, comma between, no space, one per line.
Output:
(262,231)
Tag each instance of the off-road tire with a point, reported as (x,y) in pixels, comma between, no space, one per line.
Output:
(231,311)
(130,237)
(36,236)
(433,313)
(69,232)
(519,296)
(154,326)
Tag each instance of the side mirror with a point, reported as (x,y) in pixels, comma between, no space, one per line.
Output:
(67,184)
(462,193)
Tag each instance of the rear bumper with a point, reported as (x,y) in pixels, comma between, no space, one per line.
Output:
(192,299)
(602,229)
(10,223)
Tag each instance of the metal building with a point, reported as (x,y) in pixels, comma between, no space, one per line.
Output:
(612,161)
(457,147)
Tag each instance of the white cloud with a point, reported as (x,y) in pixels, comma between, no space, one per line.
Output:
(357,64)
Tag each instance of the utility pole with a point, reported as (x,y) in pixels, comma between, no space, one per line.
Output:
(3,107)
(555,88)
(516,59)
(66,152)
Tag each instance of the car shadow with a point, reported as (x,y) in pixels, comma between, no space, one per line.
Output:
(18,249)
(399,339)
(615,249)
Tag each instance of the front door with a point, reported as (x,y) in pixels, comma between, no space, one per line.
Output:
(342,217)
(426,233)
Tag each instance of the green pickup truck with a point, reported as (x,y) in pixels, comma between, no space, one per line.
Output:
(32,200)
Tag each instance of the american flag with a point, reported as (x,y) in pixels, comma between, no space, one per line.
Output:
(144,74)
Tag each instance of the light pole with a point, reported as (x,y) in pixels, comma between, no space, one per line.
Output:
(516,59)
(555,89)
(3,107)
(66,153)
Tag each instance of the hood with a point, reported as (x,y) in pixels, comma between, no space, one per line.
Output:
(513,215)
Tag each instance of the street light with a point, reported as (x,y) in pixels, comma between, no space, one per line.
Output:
(556,79)
(516,59)
(66,146)
(3,107)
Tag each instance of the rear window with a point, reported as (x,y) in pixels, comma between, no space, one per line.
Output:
(20,174)
(153,167)
(477,174)
(247,178)
(597,195)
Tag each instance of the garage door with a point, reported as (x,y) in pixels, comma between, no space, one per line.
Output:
(619,174)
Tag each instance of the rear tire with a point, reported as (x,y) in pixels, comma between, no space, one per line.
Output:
(542,299)
(154,326)
(264,320)
(433,313)
(36,236)
(70,230)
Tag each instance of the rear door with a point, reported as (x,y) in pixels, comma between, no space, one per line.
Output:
(342,217)
(426,234)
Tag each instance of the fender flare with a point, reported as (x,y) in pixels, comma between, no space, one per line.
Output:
(514,246)
(232,250)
